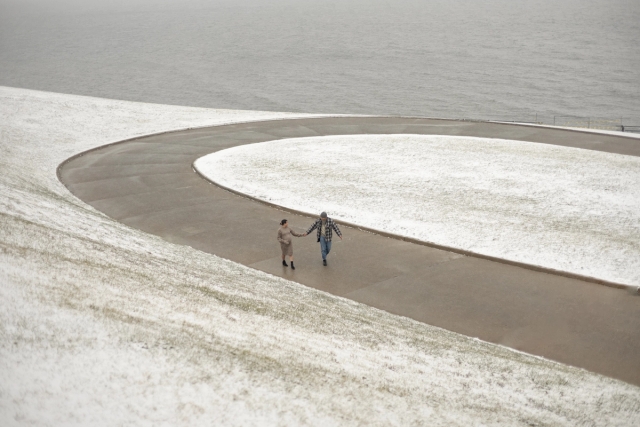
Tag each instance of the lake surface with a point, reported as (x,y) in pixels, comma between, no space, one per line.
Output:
(493,59)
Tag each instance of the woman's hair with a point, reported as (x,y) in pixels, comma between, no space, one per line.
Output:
(283,222)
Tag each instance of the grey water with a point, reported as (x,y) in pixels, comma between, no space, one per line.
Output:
(483,59)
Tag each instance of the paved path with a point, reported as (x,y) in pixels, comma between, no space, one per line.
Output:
(149,184)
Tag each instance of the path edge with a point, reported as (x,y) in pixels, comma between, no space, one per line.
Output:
(387,234)
(464,252)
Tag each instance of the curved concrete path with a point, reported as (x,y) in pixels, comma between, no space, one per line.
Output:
(148,183)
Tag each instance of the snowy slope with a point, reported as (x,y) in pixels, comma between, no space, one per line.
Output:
(101,324)
(562,208)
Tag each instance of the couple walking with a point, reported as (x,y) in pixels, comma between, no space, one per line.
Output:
(325,227)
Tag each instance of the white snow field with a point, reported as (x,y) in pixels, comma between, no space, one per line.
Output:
(562,208)
(101,324)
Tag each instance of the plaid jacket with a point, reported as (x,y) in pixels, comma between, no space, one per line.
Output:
(330,226)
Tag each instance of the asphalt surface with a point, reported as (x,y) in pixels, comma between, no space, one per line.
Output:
(148,183)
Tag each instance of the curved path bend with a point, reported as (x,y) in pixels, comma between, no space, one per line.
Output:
(149,183)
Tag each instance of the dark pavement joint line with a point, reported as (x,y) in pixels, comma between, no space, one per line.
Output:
(567,319)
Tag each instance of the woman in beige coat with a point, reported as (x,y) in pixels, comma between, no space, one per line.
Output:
(284,237)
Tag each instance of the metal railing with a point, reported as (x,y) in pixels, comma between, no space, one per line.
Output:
(599,123)
(588,122)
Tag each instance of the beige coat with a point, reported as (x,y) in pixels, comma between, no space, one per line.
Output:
(284,237)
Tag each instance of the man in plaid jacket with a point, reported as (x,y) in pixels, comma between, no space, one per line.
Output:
(325,227)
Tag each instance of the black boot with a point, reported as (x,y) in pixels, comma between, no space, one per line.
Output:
(324,262)
(285,263)
(292,267)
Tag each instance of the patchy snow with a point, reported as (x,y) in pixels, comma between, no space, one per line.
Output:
(101,324)
(563,208)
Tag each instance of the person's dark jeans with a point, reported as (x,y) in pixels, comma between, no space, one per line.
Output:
(325,247)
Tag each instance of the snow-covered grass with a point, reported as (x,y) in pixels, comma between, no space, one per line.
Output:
(101,324)
(563,208)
